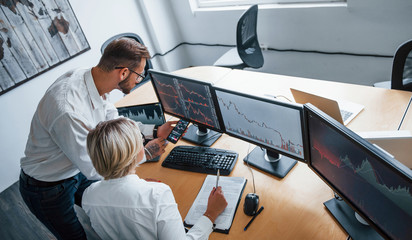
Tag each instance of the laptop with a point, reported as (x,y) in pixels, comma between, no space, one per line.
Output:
(342,111)
(150,113)
(396,143)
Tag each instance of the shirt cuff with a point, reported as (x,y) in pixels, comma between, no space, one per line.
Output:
(147,131)
(202,228)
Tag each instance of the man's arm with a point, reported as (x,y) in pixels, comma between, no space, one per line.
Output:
(155,148)
(69,132)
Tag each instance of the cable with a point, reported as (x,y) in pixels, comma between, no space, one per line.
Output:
(284,97)
(192,44)
(208,138)
(277,96)
(275,49)
(250,169)
(404,114)
(337,197)
(330,53)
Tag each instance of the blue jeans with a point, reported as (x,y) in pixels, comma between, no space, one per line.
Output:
(54,205)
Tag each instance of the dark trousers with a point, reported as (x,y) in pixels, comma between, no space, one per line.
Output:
(53,203)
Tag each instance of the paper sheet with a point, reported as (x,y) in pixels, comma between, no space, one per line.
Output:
(232,188)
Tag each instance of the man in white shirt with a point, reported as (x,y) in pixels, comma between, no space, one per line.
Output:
(123,206)
(56,167)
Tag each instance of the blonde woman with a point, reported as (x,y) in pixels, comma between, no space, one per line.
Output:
(123,206)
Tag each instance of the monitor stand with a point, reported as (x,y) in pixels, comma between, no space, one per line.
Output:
(270,162)
(352,222)
(201,135)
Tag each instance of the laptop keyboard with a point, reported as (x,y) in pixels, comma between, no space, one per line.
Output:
(345,114)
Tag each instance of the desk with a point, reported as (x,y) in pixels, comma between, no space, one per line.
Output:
(293,205)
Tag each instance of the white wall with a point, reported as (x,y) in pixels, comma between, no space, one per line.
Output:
(165,34)
(99,19)
(365,26)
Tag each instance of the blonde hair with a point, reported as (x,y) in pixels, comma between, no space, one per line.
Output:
(114,146)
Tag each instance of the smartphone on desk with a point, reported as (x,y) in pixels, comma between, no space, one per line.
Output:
(178,131)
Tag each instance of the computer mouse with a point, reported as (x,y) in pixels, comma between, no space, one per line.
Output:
(251,204)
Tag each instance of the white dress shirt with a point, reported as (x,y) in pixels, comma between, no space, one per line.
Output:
(132,208)
(56,146)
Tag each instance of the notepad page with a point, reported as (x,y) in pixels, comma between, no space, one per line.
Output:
(232,188)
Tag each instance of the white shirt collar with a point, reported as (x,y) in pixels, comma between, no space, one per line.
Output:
(96,99)
(127,178)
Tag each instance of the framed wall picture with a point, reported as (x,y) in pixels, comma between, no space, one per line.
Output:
(35,36)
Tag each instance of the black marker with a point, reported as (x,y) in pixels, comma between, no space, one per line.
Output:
(253,218)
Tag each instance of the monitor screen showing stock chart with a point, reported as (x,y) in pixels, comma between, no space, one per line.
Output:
(371,182)
(269,123)
(187,98)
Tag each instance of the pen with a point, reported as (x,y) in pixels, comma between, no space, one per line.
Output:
(404,114)
(217,178)
(253,218)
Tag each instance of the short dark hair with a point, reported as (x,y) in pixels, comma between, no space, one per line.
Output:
(123,52)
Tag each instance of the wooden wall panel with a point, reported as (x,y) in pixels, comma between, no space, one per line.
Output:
(36,35)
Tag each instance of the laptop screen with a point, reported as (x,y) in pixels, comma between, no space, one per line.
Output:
(147,113)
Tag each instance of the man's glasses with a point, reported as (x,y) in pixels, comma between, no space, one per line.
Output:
(139,78)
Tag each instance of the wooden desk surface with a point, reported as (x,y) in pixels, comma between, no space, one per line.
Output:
(293,205)
(383,110)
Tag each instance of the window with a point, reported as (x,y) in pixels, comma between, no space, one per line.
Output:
(222,3)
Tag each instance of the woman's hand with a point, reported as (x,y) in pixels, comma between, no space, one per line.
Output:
(216,204)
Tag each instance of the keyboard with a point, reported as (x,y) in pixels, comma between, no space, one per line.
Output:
(201,159)
(345,114)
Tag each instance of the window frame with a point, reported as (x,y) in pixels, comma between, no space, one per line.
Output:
(232,3)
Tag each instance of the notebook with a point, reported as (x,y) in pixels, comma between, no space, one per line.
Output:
(150,113)
(232,189)
(342,111)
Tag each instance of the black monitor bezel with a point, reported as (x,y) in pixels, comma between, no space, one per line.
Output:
(144,105)
(362,143)
(212,92)
(277,102)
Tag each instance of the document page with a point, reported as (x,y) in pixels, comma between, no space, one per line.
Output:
(232,188)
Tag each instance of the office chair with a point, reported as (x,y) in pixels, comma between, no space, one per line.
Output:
(247,52)
(401,69)
(138,39)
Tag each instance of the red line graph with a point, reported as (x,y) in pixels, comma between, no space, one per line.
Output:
(190,99)
(192,93)
(335,160)
(166,87)
(198,112)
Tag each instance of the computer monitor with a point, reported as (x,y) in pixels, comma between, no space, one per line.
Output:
(370,182)
(275,126)
(150,113)
(192,100)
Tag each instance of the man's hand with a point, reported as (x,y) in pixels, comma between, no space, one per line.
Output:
(164,130)
(155,148)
